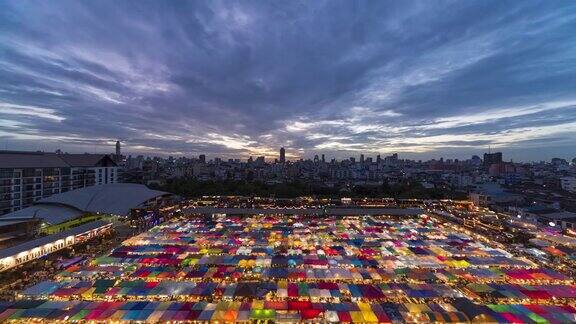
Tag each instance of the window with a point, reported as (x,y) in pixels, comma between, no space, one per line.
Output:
(28,172)
(6,173)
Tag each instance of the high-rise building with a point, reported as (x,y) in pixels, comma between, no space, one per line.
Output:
(361,158)
(202,158)
(492,158)
(392,159)
(26,177)
(118,152)
(323,158)
(282,155)
(118,158)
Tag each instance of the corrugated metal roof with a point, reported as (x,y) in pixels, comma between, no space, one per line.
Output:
(14,250)
(10,159)
(115,198)
(49,213)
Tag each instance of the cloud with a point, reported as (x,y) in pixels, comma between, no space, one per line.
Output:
(244,78)
(10,110)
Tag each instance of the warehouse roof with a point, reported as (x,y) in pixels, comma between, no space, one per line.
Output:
(51,214)
(115,198)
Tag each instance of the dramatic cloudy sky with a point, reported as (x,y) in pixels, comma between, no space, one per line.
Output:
(422,78)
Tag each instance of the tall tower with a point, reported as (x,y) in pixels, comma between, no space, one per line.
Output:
(282,155)
(118,152)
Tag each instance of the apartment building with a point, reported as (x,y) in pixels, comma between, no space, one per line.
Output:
(26,177)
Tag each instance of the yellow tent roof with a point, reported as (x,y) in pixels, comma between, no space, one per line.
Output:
(417,308)
(258,304)
(357,317)
(369,316)
(364,306)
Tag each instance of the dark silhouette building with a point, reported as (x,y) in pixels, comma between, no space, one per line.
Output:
(492,158)
(282,155)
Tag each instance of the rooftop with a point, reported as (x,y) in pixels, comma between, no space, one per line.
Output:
(49,213)
(14,250)
(21,159)
(12,159)
(115,198)
(86,160)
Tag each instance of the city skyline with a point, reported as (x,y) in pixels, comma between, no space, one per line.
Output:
(281,156)
(425,80)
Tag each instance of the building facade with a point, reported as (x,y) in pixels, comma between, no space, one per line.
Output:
(492,158)
(17,255)
(26,177)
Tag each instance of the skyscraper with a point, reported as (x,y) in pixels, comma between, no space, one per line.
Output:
(282,155)
(118,152)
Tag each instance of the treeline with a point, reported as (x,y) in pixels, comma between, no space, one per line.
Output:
(193,188)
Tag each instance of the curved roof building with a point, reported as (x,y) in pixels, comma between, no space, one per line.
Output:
(50,214)
(114,198)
